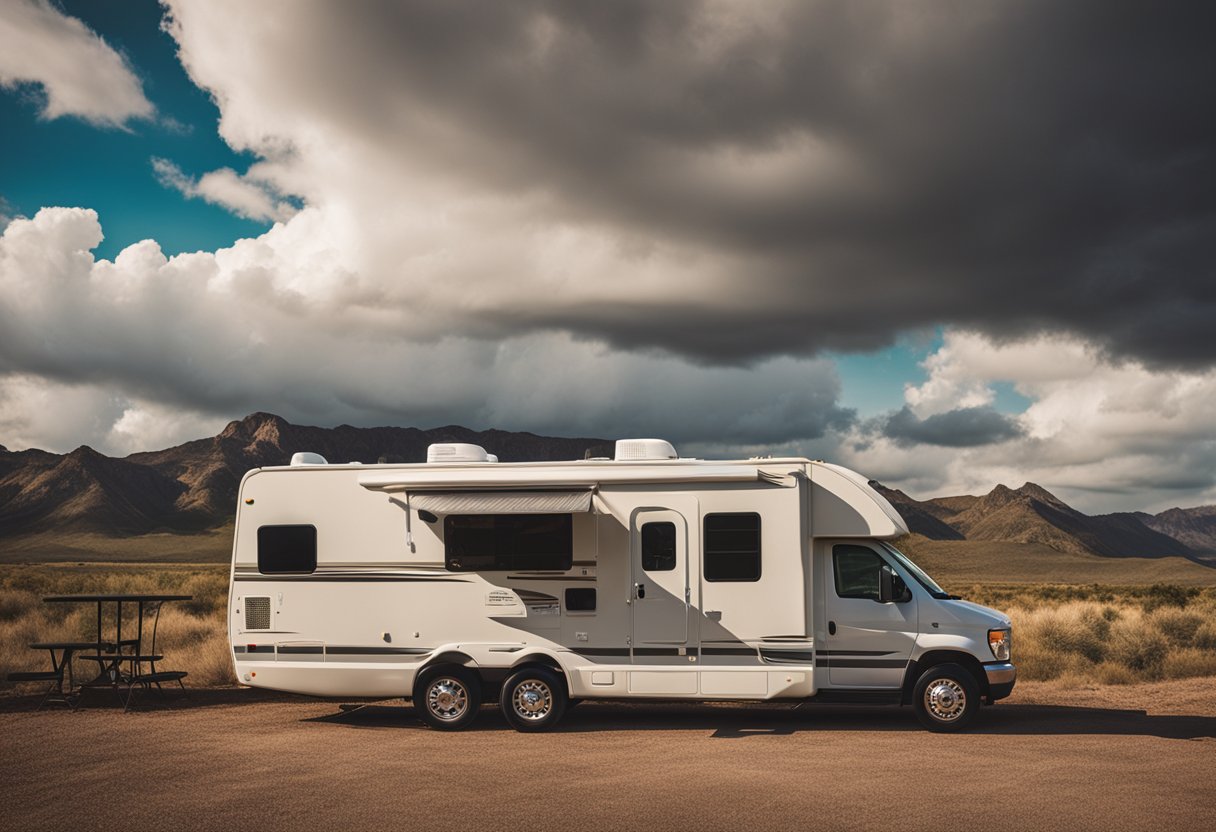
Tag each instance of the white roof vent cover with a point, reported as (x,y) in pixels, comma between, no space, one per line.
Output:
(632,450)
(458,452)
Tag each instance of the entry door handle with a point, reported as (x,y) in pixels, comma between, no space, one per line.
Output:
(641,590)
(831,628)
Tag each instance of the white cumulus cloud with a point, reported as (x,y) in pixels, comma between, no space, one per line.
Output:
(78,72)
(244,196)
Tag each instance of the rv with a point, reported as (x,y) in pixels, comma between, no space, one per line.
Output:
(644,576)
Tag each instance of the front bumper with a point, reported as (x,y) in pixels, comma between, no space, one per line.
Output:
(1001,676)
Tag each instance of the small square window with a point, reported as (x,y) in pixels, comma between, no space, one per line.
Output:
(287,550)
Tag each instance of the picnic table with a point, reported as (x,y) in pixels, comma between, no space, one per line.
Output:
(117,665)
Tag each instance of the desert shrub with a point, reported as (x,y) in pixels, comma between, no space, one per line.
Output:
(1113,673)
(1137,645)
(1205,636)
(1188,662)
(1177,625)
(1168,595)
(14,603)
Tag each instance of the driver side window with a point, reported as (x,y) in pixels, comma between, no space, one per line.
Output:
(857,571)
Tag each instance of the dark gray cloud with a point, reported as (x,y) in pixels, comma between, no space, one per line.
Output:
(966,427)
(853,169)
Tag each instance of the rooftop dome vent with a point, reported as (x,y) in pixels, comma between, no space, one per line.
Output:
(458,452)
(634,450)
(306,458)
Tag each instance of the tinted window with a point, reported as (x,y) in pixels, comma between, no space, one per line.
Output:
(732,547)
(659,547)
(502,542)
(857,570)
(580,600)
(287,550)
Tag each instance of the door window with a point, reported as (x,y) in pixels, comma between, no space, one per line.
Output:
(857,571)
(659,547)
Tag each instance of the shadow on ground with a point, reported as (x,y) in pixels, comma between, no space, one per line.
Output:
(738,722)
(721,721)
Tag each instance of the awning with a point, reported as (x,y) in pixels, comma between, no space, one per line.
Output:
(502,502)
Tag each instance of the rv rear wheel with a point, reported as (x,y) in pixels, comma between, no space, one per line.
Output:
(533,699)
(946,698)
(447,697)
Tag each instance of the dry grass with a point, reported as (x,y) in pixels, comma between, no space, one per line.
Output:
(191,634)
(1079,635)
(1071,635)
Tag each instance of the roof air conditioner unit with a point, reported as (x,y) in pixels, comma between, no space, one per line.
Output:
(305,458)
(457,452)
(633,450)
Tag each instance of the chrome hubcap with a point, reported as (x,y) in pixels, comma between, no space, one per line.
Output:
(447,699)
(945,699)
(533,700)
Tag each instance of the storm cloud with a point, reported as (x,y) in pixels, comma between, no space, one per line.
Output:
(965,427)
(758,180)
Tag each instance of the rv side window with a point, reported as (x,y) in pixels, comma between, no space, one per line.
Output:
(857,571)
(658,547)
(732,547)
(287,550)
(508,542)
(580,599)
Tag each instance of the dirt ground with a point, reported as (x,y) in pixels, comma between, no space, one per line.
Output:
(1109,758)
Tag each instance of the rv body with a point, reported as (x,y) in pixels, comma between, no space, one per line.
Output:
(643,576)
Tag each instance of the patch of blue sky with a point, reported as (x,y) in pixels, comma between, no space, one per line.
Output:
(873,382)
(69,162)
(1008,400)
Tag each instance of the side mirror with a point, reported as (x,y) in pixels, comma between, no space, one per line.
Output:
(900,593)
(886,584)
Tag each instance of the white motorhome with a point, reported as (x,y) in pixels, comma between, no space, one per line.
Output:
(641,576)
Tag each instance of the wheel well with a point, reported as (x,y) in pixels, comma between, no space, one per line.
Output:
(542,660)
(936,657)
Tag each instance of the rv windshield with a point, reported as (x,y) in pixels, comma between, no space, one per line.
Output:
(922,577)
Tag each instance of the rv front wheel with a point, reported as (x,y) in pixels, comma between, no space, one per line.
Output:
(533,699)
(447,697)
(946,698)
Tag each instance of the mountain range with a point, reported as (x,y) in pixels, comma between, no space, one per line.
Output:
(193,488)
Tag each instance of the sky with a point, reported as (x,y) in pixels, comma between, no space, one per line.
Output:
(948,245)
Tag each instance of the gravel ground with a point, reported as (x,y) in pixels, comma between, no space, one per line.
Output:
(1111,758)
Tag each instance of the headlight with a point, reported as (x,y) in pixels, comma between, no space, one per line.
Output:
(999,642)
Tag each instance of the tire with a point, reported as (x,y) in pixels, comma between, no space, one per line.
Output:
(946,698)
(447,697)
(533,699)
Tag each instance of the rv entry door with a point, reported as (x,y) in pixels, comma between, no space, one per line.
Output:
(659,552)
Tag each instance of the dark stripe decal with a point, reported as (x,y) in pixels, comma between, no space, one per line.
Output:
(320,578)
(793,656)
(602,651)
(870,663)
(550,578)
(854,652)
(313,650)
(377,651)
(728,651)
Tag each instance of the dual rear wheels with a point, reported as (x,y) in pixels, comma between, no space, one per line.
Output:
(448,698)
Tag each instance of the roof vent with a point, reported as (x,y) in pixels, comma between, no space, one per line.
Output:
(304,458)
(458,452)
(632,450)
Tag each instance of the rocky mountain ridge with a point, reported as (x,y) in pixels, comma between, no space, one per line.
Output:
(192,488)
(1032,514)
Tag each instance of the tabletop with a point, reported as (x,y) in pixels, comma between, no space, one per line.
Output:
(63,645)
(118,597)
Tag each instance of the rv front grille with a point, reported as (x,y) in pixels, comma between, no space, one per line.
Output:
(257,613)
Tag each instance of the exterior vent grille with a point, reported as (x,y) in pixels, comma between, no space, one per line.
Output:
(639,450)
(257,613)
